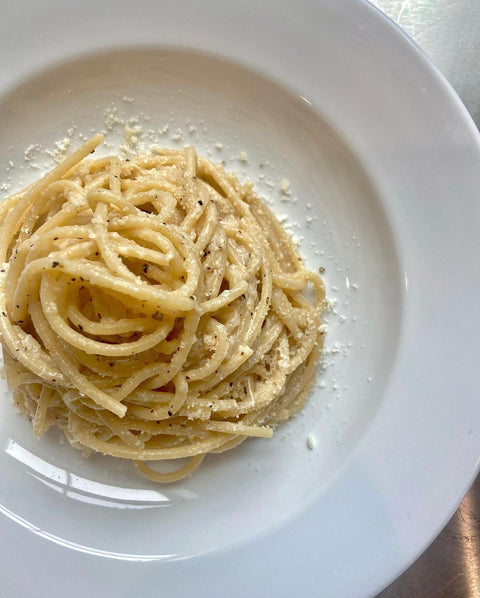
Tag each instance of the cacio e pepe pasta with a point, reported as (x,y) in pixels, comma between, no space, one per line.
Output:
(153,308)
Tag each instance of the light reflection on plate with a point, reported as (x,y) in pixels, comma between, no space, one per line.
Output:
(83,489)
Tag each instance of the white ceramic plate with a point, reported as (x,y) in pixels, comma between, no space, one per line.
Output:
(384,170)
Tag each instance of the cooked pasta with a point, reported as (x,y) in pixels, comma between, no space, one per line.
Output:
(153,308)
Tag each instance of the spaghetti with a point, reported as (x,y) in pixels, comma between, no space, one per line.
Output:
(153,308)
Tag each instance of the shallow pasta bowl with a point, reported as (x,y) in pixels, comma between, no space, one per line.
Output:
(382,164)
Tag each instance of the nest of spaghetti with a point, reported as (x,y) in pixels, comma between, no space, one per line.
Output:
(153,308)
